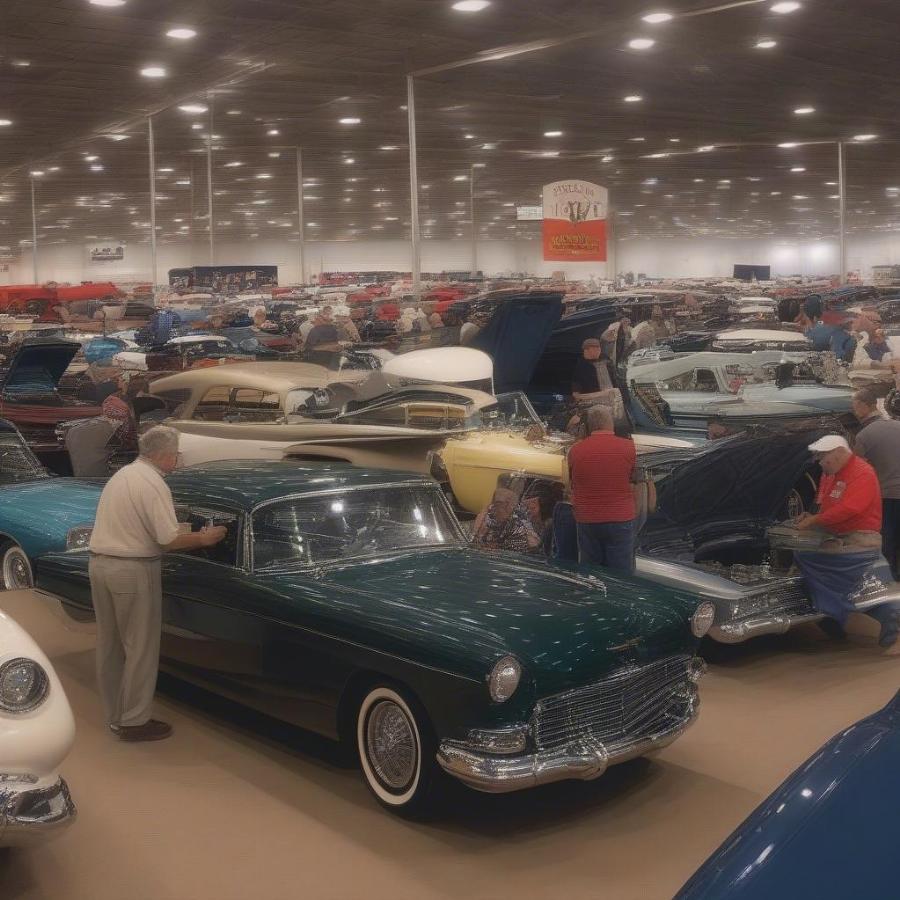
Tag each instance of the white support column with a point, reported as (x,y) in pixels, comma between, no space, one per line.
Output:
(151,151)
(474,222)
(842,195)
(300,216)
(415,236)
(34,246)
(209,187)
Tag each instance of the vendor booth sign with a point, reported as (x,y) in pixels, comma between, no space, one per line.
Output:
(575,221)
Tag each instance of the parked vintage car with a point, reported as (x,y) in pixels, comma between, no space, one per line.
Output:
(348,602)
(829,831)
(745,340)
(739,387)
(29,392)
(711,533)
(37,731)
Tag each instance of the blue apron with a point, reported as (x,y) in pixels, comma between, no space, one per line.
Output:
(833,578)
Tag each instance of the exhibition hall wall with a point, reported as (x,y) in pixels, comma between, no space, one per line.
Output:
(672,258)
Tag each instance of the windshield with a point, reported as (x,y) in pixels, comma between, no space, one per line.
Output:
(511,410)
(309,531)
(17,462)
(29,381)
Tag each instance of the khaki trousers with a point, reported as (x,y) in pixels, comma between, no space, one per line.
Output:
(127,597)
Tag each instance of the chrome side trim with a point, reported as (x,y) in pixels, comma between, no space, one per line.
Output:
(584,759)
(33,815)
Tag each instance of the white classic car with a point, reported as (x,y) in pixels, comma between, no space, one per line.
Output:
(36,733)
(740,387)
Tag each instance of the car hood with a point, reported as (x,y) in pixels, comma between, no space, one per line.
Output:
(461,610)
(515,338)
(828,832)
(53,357)
(742,478)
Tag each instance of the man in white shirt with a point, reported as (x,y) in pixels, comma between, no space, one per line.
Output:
(135,525)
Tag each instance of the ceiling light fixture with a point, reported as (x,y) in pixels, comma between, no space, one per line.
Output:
(233,112)
(116,137)
(154,72)
(784,8)
(349,161)
(657,18)
(706,148)
(641,43)
(96,168)
(549,153)
(765,44)
(273,132)
(233,165)
(36,173)
(471,5)
(181,34)
(633,98)
(5,123)
(552,134)
(263,175)
(798,169)
(21,63)
(350,120)
(107,2)
(864,137)
(788,145)
(804,110)
(194,108)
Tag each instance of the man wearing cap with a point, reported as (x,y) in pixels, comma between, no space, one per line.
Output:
(849,516)
(878,442)
(593,373)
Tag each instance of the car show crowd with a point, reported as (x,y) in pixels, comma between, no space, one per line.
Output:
(733,460)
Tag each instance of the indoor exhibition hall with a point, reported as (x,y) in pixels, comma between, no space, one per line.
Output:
(449,449)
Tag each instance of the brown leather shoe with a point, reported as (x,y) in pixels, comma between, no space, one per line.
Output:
(152,730)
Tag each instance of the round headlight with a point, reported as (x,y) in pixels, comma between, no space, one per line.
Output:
(504,678)
(23,685)
(703,618)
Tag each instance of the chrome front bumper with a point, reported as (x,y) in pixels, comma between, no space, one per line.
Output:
(738,632)
(29,814)
(583,760)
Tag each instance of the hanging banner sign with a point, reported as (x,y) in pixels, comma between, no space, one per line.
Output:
(575,221)
(112,253)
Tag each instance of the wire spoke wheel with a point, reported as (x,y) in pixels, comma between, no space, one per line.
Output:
(392,745)
(16,569)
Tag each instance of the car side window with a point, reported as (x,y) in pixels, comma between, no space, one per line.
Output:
(213,406)
(249,405)
(225,552)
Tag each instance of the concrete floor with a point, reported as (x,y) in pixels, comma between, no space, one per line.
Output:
(236,806)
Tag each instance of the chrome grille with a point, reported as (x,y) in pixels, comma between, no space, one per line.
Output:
(783,597)
(625,707)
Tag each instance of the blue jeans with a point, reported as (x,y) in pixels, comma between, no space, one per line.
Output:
(609,544)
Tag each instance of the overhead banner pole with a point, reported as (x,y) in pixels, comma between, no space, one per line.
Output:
(151,149)
(300,216)
(415,237)
(34,247)
(842,200)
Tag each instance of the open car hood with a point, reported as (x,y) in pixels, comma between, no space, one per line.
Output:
(516,336)
(33,359)
(742,478)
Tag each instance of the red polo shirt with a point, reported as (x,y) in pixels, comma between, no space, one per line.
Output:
(601,468)
(851,499)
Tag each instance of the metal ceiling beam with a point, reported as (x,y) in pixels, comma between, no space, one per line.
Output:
(548,43)
(151,152)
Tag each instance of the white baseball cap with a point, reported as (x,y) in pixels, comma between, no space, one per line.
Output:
(829,442)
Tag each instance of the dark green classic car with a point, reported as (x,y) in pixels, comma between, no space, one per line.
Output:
(348,602)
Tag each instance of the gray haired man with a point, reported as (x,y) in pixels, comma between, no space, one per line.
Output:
(135,525)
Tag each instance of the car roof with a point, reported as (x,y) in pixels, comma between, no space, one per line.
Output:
(245,483)
(275,377)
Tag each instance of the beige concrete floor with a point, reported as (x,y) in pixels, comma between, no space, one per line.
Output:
(236,806)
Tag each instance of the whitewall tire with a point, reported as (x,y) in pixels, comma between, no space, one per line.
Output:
(15,567)
(396,749)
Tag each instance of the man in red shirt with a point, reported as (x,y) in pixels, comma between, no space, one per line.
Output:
(849,502)
(601,470)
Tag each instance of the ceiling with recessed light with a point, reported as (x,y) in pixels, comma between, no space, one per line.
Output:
(701,120)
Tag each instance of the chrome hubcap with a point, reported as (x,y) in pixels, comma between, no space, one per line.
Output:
(16,571)
(391,744)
